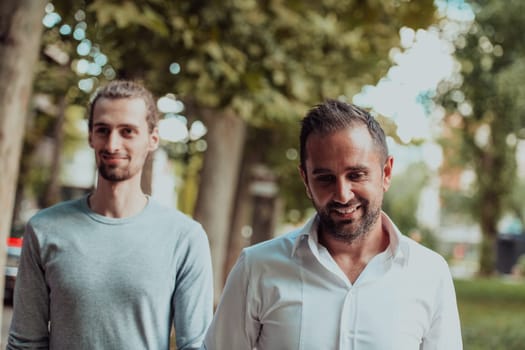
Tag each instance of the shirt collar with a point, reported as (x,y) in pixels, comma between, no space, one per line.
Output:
(398,247)
(310,228)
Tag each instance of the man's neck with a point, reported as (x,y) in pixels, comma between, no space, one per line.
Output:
(117,199)
(352,257)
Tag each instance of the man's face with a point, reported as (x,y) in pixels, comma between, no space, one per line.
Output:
(120,138)
(345,177)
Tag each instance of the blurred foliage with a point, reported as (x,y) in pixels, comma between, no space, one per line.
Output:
(492,314)
(489,116)
(402,201)
(188,162)
(455,203)
(268,60)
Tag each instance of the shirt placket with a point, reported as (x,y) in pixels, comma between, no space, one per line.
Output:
(349,318)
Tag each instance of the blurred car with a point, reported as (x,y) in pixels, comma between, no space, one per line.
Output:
(14,248)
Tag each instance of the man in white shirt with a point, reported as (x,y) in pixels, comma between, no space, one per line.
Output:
(348,279)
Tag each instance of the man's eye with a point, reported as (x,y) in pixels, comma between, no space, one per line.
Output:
(102,131)
(356,176)
(324,179)
(127,132)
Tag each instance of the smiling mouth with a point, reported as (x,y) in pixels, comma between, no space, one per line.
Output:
(346,211)
(110,158)
(113,161)
(114,156)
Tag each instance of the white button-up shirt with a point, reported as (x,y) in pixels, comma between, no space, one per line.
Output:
(288,293)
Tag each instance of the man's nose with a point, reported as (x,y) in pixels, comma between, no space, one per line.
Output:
(343,191)
(114,142)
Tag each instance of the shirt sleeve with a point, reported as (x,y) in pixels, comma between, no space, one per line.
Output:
(193,298)
(235,325)
(29,324)
(445,329)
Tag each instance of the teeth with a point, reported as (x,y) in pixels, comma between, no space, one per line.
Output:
(346,210)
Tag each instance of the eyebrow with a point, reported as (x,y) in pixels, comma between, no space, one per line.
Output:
(351,168)
(133,126)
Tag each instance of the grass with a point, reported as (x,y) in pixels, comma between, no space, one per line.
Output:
(492,314)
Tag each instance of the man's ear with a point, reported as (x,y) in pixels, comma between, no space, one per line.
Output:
(305,181)
(387,173)
(154,139)
(90,141)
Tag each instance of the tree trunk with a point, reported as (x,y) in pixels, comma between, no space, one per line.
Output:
(240,232)
(496,172)
(487,260)
(256,204)
(491,208)
(218,182)
(264,196)
(53,195)
(20,33)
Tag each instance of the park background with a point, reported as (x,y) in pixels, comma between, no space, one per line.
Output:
(234,77)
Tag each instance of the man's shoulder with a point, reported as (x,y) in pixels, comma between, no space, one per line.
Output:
(171,214)
(171,222)
(280,246)
(422,256)
(57,211)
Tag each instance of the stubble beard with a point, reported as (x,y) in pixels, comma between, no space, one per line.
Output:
(348,230)
(113,174)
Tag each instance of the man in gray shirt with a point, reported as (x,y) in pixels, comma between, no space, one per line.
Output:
(114,269)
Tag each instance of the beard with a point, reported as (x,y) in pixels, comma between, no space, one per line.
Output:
(113,174)
(348,230)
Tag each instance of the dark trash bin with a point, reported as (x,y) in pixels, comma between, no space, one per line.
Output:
(509,249)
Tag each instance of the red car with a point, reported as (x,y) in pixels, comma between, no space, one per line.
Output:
(14,247)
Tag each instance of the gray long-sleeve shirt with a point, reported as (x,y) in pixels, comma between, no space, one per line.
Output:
(87,281)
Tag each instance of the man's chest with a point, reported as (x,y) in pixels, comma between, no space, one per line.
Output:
(113,270)
(317,312)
